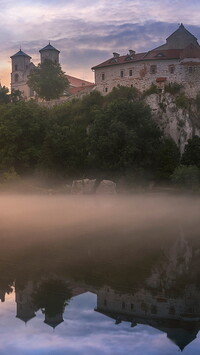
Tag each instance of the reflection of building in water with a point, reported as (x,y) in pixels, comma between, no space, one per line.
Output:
(25,306)
(54,320)
(174,316)
(2,295)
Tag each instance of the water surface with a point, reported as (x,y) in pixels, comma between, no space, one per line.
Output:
(117,275)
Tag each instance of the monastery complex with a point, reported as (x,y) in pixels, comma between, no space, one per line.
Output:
(176,61)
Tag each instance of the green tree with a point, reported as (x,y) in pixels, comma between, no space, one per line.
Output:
(168,158)
(16,95)
(22,131)
(188,176)
(48,80)
(4,95)
(191,155)
(124,137)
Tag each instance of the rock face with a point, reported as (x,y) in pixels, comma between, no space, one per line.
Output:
(176,263)
(85,186)
(106,187)
(178,123)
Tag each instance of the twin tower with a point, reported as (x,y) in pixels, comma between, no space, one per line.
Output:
(22,67)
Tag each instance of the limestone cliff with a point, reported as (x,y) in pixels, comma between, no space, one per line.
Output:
(179,120)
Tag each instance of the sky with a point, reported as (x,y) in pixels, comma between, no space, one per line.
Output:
(87,32)
(83,332)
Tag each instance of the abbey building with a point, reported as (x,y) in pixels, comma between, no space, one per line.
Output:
(22,68)
(176,61)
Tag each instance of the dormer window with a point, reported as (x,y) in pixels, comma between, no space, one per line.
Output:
(153,69)
(160,55)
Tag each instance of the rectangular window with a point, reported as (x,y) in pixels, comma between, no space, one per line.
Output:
(132,306)
(153,69)
(191,70)
(106,89)
(102,76)
(171,69)
(122,73)
(130,72)
(16,67)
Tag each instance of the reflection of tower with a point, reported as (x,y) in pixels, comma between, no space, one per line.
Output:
(2,295)
(25,306)
(50,53)
(21,68)
(53,321)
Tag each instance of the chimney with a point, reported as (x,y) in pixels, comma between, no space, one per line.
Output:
(116,55)
(131,52)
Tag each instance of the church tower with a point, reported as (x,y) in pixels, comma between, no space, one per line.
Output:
(50,53)
(21,67)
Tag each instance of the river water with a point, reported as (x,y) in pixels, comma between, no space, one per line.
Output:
(100,275)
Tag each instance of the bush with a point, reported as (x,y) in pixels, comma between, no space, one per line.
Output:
(191,155)
(152,90)
(182,101)
(173,88)
(188,176)
(9,176)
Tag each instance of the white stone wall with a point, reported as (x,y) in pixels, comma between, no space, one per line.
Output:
(50,55)
(142,302)
(142,78)
(21,69)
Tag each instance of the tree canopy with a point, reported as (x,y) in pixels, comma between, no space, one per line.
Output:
(95,136)
(48,80)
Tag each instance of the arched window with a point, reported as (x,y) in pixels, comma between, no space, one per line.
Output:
(16,78)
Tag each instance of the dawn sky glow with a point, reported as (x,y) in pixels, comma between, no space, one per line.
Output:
(87,32)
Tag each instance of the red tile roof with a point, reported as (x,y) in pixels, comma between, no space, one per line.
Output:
(151,55)
(76,82)
(76,90)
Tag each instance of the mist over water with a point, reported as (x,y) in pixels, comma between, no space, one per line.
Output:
(138,256)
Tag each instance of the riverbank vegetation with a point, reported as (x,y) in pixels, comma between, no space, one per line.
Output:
(112,137)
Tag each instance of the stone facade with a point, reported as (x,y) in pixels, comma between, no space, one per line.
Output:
(177,61)
(21,69)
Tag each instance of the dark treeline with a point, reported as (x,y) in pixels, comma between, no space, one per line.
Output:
(102,137)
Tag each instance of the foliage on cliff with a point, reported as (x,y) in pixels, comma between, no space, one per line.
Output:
(97,136)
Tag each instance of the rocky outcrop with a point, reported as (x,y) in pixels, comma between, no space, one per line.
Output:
(89,186)
(106,187)
(85,186)
(180,123)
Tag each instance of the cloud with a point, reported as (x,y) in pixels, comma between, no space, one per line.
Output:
(88,31)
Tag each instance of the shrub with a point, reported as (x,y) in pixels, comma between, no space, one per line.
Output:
(188,176)
(191,155)
(182,101)
(152,90)
(173,88)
